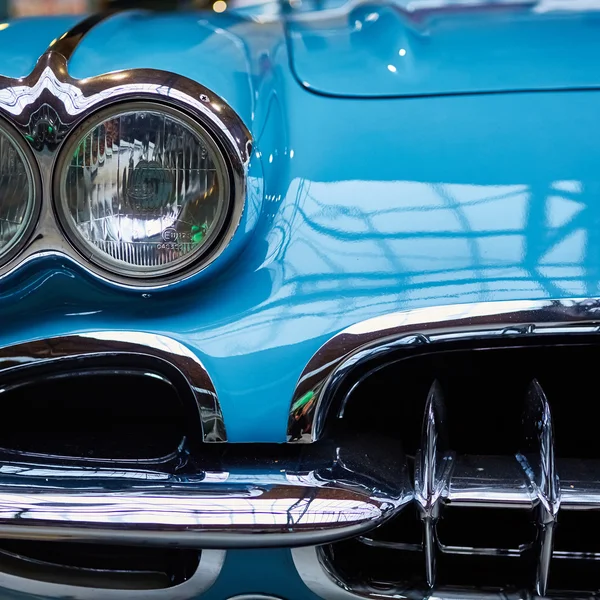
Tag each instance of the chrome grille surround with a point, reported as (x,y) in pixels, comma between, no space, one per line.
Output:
(377,337)
(49,104)
(533,480)
(21,358)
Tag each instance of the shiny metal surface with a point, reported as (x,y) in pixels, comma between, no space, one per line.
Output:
(537,460)
(47,105)
(298,501)
(489,481)
(209,568)
(378,336)
(24,358)
(433,467)
(500,482)
(579,484)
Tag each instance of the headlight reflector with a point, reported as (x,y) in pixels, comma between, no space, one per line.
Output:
(143,190)
(17,195)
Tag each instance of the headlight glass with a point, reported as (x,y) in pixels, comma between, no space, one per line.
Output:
(17,195)
(143,190)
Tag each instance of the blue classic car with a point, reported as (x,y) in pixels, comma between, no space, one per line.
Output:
(301,300)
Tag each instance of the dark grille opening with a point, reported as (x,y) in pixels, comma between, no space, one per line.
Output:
(578,531)
(574,575)
(484,391)
(482,528)
(503,537)
(494,543)
(98,566)
(95,414)
(361,565)
(513,416)
(405,528)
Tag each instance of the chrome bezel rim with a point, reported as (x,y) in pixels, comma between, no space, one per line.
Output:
(194,260)
(33,177)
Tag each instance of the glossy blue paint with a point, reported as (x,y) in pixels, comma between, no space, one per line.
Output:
(259,571)
(22,41)
(384,49)
(209,50)
(369,207)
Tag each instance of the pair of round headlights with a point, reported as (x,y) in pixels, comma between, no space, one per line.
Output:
(141,190)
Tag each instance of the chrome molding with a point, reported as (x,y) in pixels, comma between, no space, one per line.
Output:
(102,344)
(209,568)
(48,105)
(376,337)
(301,500)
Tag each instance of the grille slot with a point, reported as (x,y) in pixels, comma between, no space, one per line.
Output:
(96,412)
(499,501)
(98,566)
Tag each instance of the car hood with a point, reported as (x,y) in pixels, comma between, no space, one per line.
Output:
(423,202)
(385,49)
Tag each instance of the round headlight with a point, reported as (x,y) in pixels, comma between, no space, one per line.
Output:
(18,204)
(143,190)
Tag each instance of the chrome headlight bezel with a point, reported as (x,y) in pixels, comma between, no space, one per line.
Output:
(220,233)
(49,105)
(34,180)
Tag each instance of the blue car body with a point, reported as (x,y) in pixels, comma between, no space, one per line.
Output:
(404,157)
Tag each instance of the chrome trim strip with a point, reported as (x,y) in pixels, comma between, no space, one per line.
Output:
(491,482)
(376,337)
(297,501)
(102,344)
(209,568)
(49,104)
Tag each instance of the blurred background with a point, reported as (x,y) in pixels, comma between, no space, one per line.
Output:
(26,8)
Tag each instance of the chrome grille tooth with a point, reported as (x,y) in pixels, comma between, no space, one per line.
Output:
(433,464)
(538,462)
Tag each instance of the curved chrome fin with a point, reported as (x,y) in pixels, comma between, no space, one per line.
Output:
(537,459)
(432,471)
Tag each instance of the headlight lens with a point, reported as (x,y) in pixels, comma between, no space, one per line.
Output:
(144,190)
(17,195)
